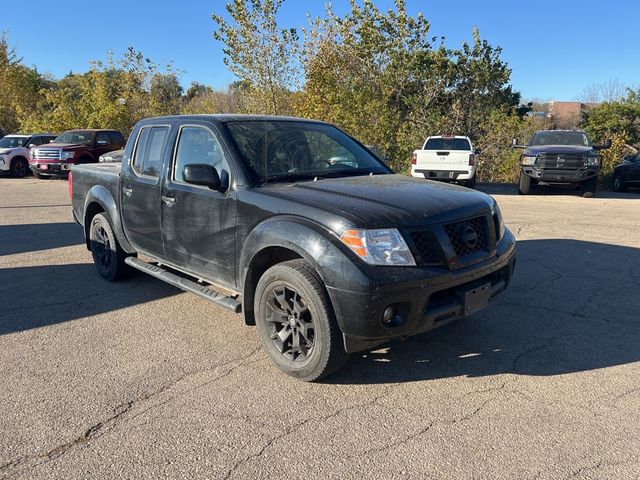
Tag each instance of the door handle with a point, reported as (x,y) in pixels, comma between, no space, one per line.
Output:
(168,201)
(127,191)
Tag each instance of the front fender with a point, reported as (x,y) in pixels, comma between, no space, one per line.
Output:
(308,240)
(101,196)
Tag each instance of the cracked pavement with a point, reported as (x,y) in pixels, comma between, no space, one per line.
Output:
(139,380)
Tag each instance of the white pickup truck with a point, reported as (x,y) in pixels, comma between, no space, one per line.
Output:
(448,158)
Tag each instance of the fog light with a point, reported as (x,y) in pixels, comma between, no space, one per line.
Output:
(388,315)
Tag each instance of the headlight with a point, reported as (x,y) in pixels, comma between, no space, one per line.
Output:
(498,221)
(67,155)
(527,160)
(379,247)
(593,161)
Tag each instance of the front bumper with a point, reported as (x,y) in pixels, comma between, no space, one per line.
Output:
(424,298)
(560,176)
(57,167)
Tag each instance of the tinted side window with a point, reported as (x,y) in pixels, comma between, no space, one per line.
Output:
(34,141)
(153,159)
(141,149)
(116,139)
(102,139)
(197,145)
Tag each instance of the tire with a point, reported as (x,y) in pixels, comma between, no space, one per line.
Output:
(291,306)
(107,254)
(470,183)
(618,184)
(588,187)
(525,184)
(19,167)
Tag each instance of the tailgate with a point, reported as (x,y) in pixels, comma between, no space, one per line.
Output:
(437,160)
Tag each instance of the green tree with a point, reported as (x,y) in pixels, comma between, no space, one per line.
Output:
(260,53)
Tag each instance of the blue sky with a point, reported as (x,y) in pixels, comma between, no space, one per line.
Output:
(555,48)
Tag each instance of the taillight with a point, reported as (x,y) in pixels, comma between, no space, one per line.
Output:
(414,158)
(70,185)
(472,159)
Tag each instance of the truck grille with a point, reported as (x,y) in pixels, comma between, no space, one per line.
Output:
(45,154)
(427,250)
(562,161)
(468,236)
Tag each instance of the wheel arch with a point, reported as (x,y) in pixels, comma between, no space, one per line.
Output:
(273,242)
(99,200)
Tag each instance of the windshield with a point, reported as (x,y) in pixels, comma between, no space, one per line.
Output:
(13,142)
(447,144)
(560,138)
(85,138)
(289,150)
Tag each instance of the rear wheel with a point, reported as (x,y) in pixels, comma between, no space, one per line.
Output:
(588,187)
(471,183)
(296,323)
(107,254)
(19,167)
(618,184)
(525,184)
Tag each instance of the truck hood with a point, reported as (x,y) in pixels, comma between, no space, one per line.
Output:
(383,201)
(66,146)
(535,150)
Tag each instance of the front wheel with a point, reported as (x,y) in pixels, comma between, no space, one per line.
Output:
(107,253)
(588,187)
(525,184)
(19,168)
(296,323)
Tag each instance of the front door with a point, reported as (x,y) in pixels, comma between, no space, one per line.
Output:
(198,224)
(140,191)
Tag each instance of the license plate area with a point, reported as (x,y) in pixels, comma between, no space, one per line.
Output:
(474,298)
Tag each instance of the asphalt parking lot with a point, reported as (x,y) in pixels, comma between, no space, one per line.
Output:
(139,380)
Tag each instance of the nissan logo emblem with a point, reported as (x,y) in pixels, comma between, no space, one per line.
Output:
(468,235)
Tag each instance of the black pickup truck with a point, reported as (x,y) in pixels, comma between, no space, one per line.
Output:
(298,226)
(560,157)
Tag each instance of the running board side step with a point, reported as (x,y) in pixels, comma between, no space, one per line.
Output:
(185,284)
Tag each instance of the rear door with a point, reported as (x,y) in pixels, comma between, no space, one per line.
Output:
(198,224)
(140,190)
(446,153)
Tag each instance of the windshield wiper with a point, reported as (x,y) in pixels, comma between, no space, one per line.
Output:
(356,172)
(290,177)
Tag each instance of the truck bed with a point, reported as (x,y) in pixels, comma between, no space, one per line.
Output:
(87,176)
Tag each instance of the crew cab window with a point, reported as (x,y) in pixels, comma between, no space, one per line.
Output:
(197,145)
(35,141)
(148,155)
(102,139)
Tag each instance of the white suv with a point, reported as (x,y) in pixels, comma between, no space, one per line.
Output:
(450,158)
(14,152)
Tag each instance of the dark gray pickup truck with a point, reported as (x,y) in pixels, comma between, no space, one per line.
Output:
(298,226)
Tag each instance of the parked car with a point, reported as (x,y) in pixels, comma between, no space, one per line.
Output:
(326,258)
(71,148)
(448,158)
(627,174)
(560,157)
(112,157)
(14,152)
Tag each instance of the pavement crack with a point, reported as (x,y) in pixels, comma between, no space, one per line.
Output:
(121,411)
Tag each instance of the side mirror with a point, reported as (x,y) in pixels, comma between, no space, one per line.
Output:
(628,158)
(477,151)
(202,174)
(31,145)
